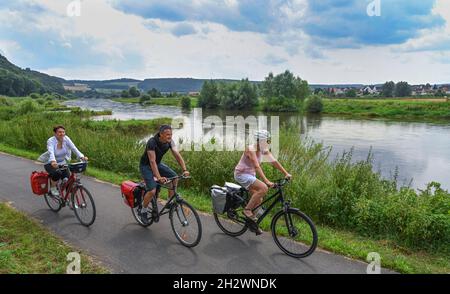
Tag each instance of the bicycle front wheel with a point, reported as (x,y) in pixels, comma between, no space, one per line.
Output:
(83,206)
(294,233)
(185,224)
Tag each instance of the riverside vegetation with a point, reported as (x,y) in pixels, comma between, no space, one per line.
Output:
(411,229)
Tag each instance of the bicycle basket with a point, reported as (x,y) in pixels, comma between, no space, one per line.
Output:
(219,199)
(78,167)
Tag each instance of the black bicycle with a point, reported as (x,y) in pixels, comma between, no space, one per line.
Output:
(292,230)
(184,219)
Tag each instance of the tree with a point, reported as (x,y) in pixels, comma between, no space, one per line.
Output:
(154,93)
(209,95)
(388,89)
(403,89)
(134,92)
(351,93)
(284,92)
(125,94)
(144,98)
(314,104)
(185,102)
(238,95)
(439,93)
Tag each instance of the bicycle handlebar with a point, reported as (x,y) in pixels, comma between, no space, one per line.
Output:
(66,166)
(281,182)
(169,180)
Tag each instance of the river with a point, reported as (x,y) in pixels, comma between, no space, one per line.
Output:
(420,151)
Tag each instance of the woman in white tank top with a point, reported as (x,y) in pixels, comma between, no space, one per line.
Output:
(249,166)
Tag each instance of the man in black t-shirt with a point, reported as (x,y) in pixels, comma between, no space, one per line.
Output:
(151,166)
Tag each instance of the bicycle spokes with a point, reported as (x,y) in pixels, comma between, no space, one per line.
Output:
(294,233)
(185,224)
(83,206)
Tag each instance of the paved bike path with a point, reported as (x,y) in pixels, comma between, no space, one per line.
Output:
(125,247)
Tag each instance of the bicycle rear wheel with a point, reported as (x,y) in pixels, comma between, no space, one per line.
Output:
(231,223)
(135,212)
(185,223)
(83,206)
(53,202)
(294,233)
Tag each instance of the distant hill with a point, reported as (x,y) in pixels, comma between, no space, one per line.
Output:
(117,84)
(15,81)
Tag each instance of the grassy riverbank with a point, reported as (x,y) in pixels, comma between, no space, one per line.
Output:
(357,211)
(413,108)
(395,108)
(27,247)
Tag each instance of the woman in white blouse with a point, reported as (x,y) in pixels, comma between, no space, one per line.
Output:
(59,151)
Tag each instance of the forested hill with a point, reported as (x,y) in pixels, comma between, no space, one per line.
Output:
(15,81)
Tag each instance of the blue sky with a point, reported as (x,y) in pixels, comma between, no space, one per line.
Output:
(327,41)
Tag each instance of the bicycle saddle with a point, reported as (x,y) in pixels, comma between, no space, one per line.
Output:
(232,186)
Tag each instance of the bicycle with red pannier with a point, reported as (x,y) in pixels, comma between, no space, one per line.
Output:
(184,219)
(72,192)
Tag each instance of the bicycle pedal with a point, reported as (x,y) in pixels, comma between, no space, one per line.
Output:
(253,227)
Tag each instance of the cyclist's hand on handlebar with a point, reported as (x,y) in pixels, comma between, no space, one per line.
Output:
(84,158)
(186,173)
(162,180)
(288,177)
(270,184)
(54,164)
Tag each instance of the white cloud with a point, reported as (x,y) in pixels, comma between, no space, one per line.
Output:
(132,46)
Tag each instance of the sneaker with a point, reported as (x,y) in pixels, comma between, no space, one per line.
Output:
(253,227)
(143,215)
(54,192)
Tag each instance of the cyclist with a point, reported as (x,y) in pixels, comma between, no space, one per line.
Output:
(59,151)
(250,165)
(151,166)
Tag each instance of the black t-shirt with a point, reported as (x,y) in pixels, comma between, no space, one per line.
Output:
(160,149)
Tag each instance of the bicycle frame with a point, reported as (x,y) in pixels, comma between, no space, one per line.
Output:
(279,198)
(170,202)
(69,187)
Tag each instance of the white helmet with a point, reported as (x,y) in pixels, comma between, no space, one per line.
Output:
(262,135)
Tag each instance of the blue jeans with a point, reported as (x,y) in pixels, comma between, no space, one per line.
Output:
(147,174)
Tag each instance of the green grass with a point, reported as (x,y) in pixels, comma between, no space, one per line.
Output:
(339,241)
(396,108)
(27,247)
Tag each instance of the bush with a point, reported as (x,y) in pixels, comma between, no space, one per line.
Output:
(185,102)
(4,101)
(40,101)
(314,104)
(34,95)
(144,98)
(281,104)
(27,106)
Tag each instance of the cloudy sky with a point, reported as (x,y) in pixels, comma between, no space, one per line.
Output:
(322,41)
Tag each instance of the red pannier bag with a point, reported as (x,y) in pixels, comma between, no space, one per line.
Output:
(39,182)
(129,189)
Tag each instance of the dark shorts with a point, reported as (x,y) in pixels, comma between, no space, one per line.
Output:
(56,174)
(147,174)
